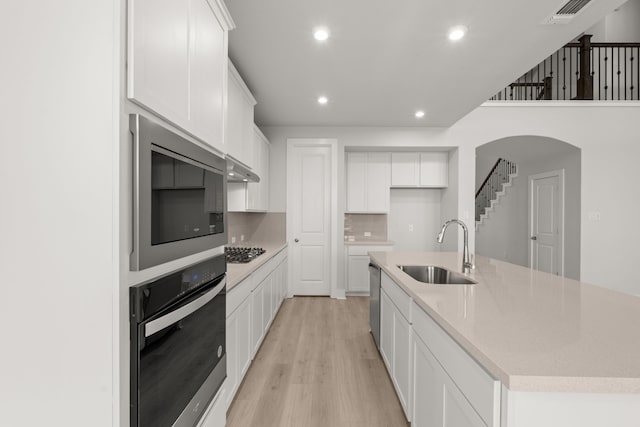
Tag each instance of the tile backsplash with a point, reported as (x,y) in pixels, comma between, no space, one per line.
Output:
(357,225)
(257,228)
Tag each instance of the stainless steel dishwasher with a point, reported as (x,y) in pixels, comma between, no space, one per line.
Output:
(374,302)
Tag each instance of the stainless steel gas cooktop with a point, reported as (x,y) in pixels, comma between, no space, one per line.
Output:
(236,255)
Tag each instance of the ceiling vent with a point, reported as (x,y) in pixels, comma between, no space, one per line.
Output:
(567,12)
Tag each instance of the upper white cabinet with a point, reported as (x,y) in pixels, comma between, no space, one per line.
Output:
(258,192)
(368,182)
(427,169)
(239,135)
(177,63)
(252,196)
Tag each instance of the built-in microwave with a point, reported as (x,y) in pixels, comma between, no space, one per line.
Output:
(179,196)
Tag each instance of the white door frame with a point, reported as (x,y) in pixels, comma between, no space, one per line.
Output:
(560,174)
(333,145)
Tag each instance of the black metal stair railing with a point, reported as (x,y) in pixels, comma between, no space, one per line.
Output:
(584,71)
(492,184)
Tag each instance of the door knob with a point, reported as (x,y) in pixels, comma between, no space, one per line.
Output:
(296,240)
(534,238)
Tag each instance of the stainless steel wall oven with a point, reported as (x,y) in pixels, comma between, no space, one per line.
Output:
(178,355)
(179,196)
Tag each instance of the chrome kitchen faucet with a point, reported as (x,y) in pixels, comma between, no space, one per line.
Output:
(466,260)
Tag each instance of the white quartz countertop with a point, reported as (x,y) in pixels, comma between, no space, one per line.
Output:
(236,273)
(533,331)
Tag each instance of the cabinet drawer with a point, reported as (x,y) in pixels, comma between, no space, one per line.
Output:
(480,389)
(398,296)
(261,273)
(238,294)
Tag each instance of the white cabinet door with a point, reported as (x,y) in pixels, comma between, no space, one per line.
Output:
(378,182)
(239,134)
(457,411)
(177,64)
(243,346)
(232,335)
(267,313)
(386,330)
(357,182)
(434,169)
(158,63)
(368,182)
(208,72)
(405,169)
(402,359)
(427,399)
(358,273)
(285,278)
(257,326)
(257,192)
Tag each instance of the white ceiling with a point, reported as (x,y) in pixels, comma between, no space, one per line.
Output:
(386,59)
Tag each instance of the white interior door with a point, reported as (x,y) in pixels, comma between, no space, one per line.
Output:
(309,212)
(547,222)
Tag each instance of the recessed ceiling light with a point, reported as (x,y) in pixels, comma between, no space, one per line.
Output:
(321,34)
(322,100)
(245,179)
(231,174)
(458,32)
(419,114)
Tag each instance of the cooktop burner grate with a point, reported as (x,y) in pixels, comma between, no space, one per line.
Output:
(237,255)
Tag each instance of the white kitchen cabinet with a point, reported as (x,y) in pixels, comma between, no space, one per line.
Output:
(177,63)
(250,311)
(358,273)
(268,302)
(368,182)
(258,192)
(434,169)
(239,132)
(253,196)
(466,395)
(419,170)
(238,336)
(395,347)
(357,266)
(437,401)
(257,319)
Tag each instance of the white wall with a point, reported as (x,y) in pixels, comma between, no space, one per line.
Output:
(607,133)
(58,250)
(621,25)
(414,219)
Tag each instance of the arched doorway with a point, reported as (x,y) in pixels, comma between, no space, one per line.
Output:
(507,230)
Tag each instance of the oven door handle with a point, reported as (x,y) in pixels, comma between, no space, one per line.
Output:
(184,311)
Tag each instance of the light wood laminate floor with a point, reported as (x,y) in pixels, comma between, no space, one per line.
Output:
(318,366)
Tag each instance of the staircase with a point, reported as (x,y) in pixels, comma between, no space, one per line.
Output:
(494,186)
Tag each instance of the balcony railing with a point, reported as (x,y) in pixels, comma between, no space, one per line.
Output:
(583,70)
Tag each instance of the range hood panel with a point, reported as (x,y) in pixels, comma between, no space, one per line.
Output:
(237,172)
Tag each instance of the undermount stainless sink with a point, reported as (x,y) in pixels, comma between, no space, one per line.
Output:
(435,275)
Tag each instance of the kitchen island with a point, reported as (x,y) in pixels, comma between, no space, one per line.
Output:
(561,352)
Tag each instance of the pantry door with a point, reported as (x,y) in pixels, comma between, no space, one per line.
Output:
(546,226)
(310,206)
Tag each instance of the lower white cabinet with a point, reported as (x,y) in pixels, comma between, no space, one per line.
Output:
(250,312)
(357,266)
(437,401)
(257,318)
(437,382)
(395,347)
(238,347)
